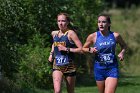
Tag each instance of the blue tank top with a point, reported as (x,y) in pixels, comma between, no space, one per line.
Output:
(105,58)
(62,57)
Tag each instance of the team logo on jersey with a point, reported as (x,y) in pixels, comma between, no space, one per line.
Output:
(60,43)
(107,43)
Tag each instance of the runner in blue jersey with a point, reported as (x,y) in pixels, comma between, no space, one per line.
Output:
(103,44)
(65,44)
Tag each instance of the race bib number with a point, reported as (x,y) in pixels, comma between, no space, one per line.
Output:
(107,58)
(61,60)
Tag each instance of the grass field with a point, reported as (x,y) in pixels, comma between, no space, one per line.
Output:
(127,84)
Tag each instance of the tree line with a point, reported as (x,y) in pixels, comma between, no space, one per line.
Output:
(122,3)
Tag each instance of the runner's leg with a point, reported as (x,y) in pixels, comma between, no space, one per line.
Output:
(70,82)
(57,80)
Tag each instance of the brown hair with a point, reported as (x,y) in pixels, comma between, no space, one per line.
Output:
(67,16)
(70,25)
(107,17)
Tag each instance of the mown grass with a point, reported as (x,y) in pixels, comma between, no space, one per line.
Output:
(127,84)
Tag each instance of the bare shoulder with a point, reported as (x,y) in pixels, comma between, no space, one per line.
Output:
(116,34)
(92,37)
(54,32)
(71,32)
(118,37)
(94,34)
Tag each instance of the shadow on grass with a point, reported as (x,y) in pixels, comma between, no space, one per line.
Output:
(129,81)
(85,80)
(125,80)
(128,84)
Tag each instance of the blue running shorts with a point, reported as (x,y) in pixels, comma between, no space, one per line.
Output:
(102,74)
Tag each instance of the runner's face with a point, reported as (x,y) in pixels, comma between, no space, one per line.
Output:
(62,22)
(103,23)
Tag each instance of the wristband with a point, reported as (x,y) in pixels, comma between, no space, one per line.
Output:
(51,53)
(89,49)
(68,50)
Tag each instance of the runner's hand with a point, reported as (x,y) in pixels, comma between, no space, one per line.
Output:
(93,50)
(50,59)
(121,56)
(61,48)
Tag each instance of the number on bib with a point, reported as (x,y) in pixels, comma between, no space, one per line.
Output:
(61,60)
(108,58)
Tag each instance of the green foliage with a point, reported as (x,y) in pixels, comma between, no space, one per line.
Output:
(25,27)
(85,16)
(34,68)
(8,86)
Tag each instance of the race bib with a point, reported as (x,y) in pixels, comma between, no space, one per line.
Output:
(61,60)
(106,58)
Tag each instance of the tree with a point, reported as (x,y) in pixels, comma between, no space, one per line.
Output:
(25,27)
